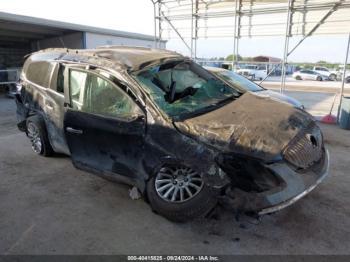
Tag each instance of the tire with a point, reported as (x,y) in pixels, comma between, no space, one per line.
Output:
(36,132)
(347,80)
(332,77)
(319,78)
(183,208)
(298,78)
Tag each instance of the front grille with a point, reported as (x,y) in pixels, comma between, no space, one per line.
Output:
(306,148)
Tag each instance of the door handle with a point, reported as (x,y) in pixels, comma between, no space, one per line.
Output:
(74,131)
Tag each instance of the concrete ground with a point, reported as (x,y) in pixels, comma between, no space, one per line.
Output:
(317,97)
(291,82)
(49,207)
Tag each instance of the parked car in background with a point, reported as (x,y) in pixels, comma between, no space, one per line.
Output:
(253,72)
(157,120)
(332,75)
(245,85)
(306,74)
(340,71)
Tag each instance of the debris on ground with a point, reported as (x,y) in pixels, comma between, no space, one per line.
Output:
(134,193)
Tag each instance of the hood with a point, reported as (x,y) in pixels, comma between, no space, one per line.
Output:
(279,97)
(251,125)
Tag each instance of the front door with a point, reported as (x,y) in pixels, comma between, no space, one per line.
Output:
(104,127)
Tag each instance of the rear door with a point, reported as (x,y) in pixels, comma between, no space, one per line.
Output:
(104,127)
(308,75)
(54,104)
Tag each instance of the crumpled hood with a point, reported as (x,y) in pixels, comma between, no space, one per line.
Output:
(252,125)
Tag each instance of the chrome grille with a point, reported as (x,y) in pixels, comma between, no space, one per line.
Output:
(306,148)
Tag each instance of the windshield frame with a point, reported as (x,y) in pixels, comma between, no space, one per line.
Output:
(188,115)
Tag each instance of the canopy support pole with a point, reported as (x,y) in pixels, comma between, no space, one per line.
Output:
(343,78)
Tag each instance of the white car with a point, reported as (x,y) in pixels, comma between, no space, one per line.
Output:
(306,74)
(244,85)
(332,75)
(253,72)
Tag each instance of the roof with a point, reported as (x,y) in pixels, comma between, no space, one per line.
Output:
(131,58)
(263,58)
(22,26)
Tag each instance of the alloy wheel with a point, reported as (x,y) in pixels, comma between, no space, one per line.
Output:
(178,184)
(34,136)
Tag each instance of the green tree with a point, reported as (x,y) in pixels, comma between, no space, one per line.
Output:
(231,57)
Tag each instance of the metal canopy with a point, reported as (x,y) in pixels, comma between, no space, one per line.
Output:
(191,20)
(216,18)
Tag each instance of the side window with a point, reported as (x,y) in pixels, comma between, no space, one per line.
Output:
(77,80)
(40,73)
(93,94)
(60,79)
(105,98)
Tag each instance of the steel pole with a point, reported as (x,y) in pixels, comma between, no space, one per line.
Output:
(343,78)
(234,38)
(196,31)
(159,24)
(286,46)
(155,23)
(192,29)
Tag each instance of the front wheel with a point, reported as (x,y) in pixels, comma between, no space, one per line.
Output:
(319,78)
(179,193)
(332,77)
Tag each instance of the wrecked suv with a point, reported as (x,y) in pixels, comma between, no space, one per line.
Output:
(156,120)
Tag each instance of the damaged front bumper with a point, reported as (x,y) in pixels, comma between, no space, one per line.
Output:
(294,185)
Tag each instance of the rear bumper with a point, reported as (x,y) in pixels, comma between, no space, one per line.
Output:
(21,113)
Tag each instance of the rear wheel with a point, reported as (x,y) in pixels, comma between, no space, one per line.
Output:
(179,193)
(319,78)
(298,78)
(36,132)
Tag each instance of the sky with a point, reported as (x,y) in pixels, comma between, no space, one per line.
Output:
(137,16)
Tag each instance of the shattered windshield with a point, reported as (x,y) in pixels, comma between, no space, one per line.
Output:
(183,88)
(238,81)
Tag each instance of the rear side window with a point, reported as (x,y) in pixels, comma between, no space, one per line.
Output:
(60,79)
(40,73)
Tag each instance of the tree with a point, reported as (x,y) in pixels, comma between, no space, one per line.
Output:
(231,58)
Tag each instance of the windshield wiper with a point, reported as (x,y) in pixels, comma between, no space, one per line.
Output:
(226,100)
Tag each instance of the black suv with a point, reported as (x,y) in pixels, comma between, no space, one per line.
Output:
(158,121)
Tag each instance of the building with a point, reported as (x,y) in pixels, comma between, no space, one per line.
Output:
(21,35)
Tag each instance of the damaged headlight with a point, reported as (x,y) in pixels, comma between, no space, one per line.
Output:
(216,177)
(248,174)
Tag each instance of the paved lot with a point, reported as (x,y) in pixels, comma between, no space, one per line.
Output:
(49,207)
